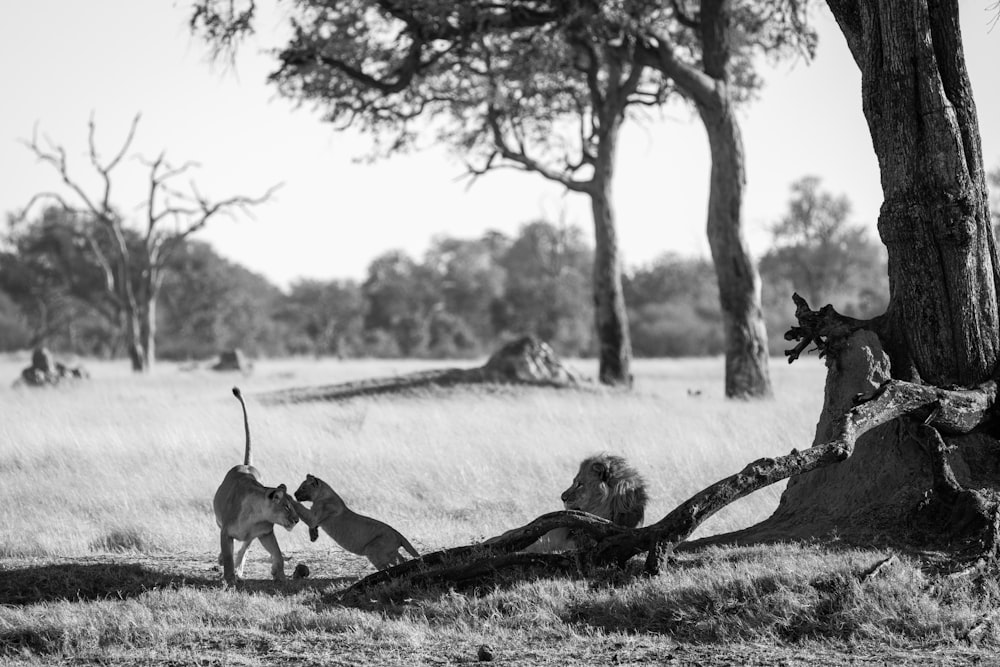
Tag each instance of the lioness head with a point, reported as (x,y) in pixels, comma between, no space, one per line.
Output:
(280,508)
(307,489)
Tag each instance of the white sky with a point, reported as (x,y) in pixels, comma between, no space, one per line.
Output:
(63,59)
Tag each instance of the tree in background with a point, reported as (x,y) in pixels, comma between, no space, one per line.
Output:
(328,317)
(58,287)
(508,74)
(15,332)
(401,295)
(583,75)
(471,282)
(133,275)
(710,50)
(543,89)
(467,296)
(547,293)
(209,304)
(817,252)
(674,308)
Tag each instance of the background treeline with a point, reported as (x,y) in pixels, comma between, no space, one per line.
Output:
(461,299)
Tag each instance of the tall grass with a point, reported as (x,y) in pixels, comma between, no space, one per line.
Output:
(131,463)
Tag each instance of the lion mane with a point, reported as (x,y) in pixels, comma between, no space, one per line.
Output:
(607,486)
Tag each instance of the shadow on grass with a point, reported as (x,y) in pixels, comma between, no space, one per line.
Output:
(120,581)
(88,581)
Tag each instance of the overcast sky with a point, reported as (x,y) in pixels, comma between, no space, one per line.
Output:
(64,59)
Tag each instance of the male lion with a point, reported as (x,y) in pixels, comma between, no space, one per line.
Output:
(377,541)
(605,486)
(247,510)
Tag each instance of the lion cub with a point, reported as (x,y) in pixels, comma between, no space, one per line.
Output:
(378,542)
(247,510)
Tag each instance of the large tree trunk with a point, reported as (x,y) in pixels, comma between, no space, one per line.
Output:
(941,328)
(126,296)
(935,219)
(747,374)
(610,315)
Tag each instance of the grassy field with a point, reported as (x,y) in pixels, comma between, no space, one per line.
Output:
(108,542)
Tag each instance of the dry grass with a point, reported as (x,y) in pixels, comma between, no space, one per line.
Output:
(107,539)
(98,464)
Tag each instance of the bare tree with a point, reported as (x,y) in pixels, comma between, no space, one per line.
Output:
(169,216)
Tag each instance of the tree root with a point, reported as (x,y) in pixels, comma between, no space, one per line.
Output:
(971,515)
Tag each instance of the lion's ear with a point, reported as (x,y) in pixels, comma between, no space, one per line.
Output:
(599,469)
(278,494)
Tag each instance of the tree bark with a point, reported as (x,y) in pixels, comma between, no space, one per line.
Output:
(935,220)
(610,316)
(747,373)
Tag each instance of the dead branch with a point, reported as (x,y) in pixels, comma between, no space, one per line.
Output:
(450,565)
(824,327)
(526,360)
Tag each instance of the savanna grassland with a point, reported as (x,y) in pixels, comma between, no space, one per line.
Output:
(108,543)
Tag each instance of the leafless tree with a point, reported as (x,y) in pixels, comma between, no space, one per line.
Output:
(133,273)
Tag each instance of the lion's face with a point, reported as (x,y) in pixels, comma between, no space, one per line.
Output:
(589,489)
(280,508)
(307,489)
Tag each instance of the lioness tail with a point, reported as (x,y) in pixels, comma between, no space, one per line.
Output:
(409,547)
(247,460)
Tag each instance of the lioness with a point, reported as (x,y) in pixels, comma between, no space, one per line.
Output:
(246,510)
(377,541)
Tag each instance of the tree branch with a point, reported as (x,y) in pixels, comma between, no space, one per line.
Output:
(105,170)
(690,80)
(527,163)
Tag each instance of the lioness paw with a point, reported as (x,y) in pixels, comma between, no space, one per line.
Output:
(313,534)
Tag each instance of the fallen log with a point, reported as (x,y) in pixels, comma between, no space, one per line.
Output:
(526,361)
